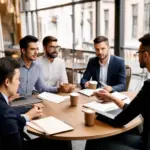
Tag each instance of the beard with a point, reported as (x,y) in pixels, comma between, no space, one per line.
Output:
(142,65)
(102,58)
(52,55)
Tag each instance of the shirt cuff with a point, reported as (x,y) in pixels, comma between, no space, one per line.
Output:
(53,90)
(25,117)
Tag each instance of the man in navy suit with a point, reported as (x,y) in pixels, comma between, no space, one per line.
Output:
(108,70)
(11,122)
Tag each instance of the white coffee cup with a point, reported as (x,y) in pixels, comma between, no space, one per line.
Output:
(92,84)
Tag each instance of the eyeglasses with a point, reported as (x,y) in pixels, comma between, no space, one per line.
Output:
(54,48)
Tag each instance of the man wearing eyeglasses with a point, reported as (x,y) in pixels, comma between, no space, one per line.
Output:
(31,75)
(54,69)
(140,105)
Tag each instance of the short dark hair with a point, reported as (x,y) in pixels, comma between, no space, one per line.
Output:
(26,40)
(145,40)
(100,39)
(7,68)
(48,39)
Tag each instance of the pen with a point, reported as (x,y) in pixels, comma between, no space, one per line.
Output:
(102,83)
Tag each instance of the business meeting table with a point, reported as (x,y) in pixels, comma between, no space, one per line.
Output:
(75,117)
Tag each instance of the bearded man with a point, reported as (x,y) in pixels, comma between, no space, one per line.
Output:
(108,70)
(54,69)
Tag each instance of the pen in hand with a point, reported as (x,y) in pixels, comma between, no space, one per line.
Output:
(102,83)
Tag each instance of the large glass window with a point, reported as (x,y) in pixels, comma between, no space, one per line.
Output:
(58,23)
(85,25)
(134,20)
(146,15)
(106,21)
(50,3)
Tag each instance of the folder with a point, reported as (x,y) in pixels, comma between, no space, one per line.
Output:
(27,100)
(49,125)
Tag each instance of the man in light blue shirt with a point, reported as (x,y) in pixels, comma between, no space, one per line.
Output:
(31,75)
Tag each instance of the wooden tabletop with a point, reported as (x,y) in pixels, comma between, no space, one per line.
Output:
(76,66)
(75,117)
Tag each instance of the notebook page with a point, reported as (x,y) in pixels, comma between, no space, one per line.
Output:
(53,97)
(122,97)
(101,107)
(34,126)
(52,125)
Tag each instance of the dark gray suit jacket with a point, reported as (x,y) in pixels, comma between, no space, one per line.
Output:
(11,127)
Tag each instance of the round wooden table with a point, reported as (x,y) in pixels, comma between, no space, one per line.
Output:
(75,117)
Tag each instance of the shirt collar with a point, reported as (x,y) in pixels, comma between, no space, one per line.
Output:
(107,63)
(22,63)
(45,57)
(6,98)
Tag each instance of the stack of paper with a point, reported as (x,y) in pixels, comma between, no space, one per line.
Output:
(101,107)
(49,125)
(105,107)
(52,97)
(88,92)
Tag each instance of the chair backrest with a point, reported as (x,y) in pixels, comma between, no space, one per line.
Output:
(128,76)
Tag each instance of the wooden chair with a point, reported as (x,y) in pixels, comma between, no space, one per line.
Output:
(128,76)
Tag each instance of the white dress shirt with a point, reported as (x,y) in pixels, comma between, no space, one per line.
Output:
(54,72)
(104,71)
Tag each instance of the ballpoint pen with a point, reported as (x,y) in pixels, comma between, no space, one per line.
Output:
(102,83)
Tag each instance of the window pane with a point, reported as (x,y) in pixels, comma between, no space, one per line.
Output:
(84,25)
(49,3)
(58,23)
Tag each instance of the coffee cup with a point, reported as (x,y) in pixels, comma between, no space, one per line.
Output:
(89,117)
(74,98)
(92,85)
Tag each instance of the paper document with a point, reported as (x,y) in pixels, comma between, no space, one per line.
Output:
(101,107)
(122,97)
(53,97)
(49,125)
(88,92)
(104,107)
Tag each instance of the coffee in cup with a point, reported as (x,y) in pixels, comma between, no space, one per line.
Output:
(92,85)
(89,117)
(74,98)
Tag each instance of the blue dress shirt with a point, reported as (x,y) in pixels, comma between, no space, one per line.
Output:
(31,78)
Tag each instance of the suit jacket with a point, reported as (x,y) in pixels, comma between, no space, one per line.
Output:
(116,75)
(139,105)
(11,127)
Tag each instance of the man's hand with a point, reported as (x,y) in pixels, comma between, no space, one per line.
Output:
(40,105)
(66,88)
(87,84)
(35,112)
(108,88)
(105,96)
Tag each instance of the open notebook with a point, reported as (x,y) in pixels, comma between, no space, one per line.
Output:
(104,107)
(52,97)
(49,125)
(88,92)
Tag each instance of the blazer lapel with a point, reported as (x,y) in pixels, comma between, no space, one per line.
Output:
(110,69)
